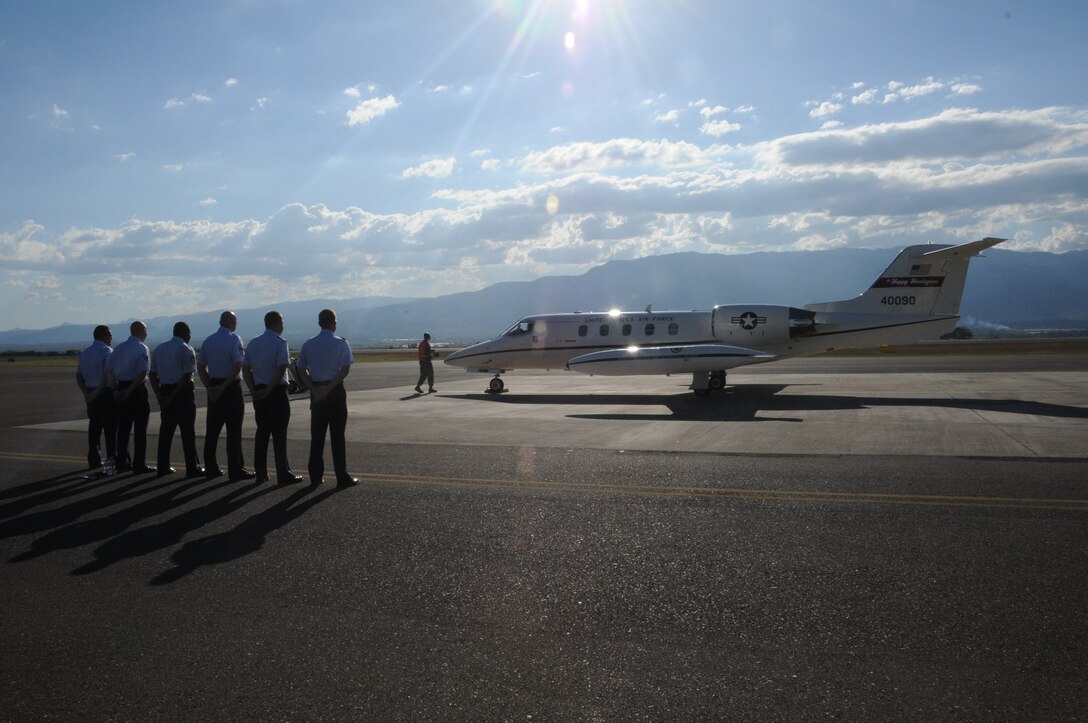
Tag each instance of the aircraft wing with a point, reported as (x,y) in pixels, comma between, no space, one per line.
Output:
(666,360)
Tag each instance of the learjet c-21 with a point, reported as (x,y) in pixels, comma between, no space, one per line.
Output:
(916,297)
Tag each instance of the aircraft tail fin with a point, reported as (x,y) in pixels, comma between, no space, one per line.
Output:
(924,279)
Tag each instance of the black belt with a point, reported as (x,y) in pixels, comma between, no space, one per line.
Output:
(220,380)
(265,386)
(169,387)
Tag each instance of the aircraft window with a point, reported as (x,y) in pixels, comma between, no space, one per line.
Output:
(522,327)
(583,330)
(626,330)
(674,329)
(649,330)
(604,329)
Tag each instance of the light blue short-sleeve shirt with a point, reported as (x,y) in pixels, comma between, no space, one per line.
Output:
(129,359)
(220,352)
(324,354)
(264,355)
(172,360)
(92,363)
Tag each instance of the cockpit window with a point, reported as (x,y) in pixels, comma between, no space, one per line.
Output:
(522,327)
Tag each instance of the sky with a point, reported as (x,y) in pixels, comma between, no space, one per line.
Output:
(160,158)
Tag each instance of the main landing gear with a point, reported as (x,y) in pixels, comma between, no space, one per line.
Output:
(703,383)
(496,385)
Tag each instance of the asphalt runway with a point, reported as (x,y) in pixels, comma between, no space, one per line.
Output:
(880,539)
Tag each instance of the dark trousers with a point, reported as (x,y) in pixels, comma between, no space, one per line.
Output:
(273,414)
(329,414)
(426,372)
(103,422)
(133,414)
(179,414)
(229,410)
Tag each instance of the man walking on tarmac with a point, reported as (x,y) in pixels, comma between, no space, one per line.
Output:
(426,368)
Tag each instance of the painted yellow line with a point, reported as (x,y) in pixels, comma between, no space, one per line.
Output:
(736,493)
(769,495)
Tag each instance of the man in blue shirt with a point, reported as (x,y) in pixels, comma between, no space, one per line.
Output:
(127,369)
(220,369)
(91,378)
(323,363)
(172,367)
(265,372)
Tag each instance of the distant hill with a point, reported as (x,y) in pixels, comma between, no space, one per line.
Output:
(1006,288)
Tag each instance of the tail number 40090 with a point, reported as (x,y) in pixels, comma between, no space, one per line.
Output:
(898,301)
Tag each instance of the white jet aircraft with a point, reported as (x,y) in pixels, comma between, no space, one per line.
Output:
(917,297)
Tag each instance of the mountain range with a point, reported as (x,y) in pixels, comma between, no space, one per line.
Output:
(1005,289)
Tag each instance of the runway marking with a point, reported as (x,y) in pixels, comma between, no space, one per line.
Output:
(737,493)
(843,497)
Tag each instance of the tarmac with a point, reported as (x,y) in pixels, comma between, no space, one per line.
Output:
(869,539)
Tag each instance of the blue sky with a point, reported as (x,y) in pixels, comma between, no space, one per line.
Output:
(163,158)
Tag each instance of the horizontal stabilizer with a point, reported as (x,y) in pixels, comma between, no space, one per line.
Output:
(666,360)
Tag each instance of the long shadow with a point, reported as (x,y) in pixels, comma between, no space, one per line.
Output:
(244,539)
(77,477)
(143,540)
(78,534)
(66,514)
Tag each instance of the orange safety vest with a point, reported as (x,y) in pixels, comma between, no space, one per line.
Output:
(424,351)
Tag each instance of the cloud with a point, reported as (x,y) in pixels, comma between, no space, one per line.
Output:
(670,116)
(352,92)
(437,168)
(125,156)
(957,133)
(201,98)
(207,201)
(718,128)
(370,109)
(174,103)
(173,167)
(708,112)
(825,109)
(230,82)
(585,156)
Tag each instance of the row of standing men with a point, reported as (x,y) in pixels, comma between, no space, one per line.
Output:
(112,380)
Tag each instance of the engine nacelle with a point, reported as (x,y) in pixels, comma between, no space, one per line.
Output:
(755,324)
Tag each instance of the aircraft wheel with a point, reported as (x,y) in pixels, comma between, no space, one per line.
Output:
(496,385)
(701,392)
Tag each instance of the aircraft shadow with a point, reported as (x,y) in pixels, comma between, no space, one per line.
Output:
(246,538)
(742,403)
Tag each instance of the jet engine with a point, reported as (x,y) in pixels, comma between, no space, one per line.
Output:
(751,325)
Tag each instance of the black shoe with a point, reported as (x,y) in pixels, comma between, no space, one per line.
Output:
(164,471)
(432,390)
(347,482)
(291,479)
(143,469)
(244,475)
(315,481)
(418,390)
(197,471)
(213,473)
(263,477)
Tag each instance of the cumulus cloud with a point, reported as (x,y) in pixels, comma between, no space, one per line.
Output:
(125,156)
(174,103)
(620,151)
(370,109)
(436,168)
(670,116)
(718,128)
(825,109)
(230,82)
(207,201)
